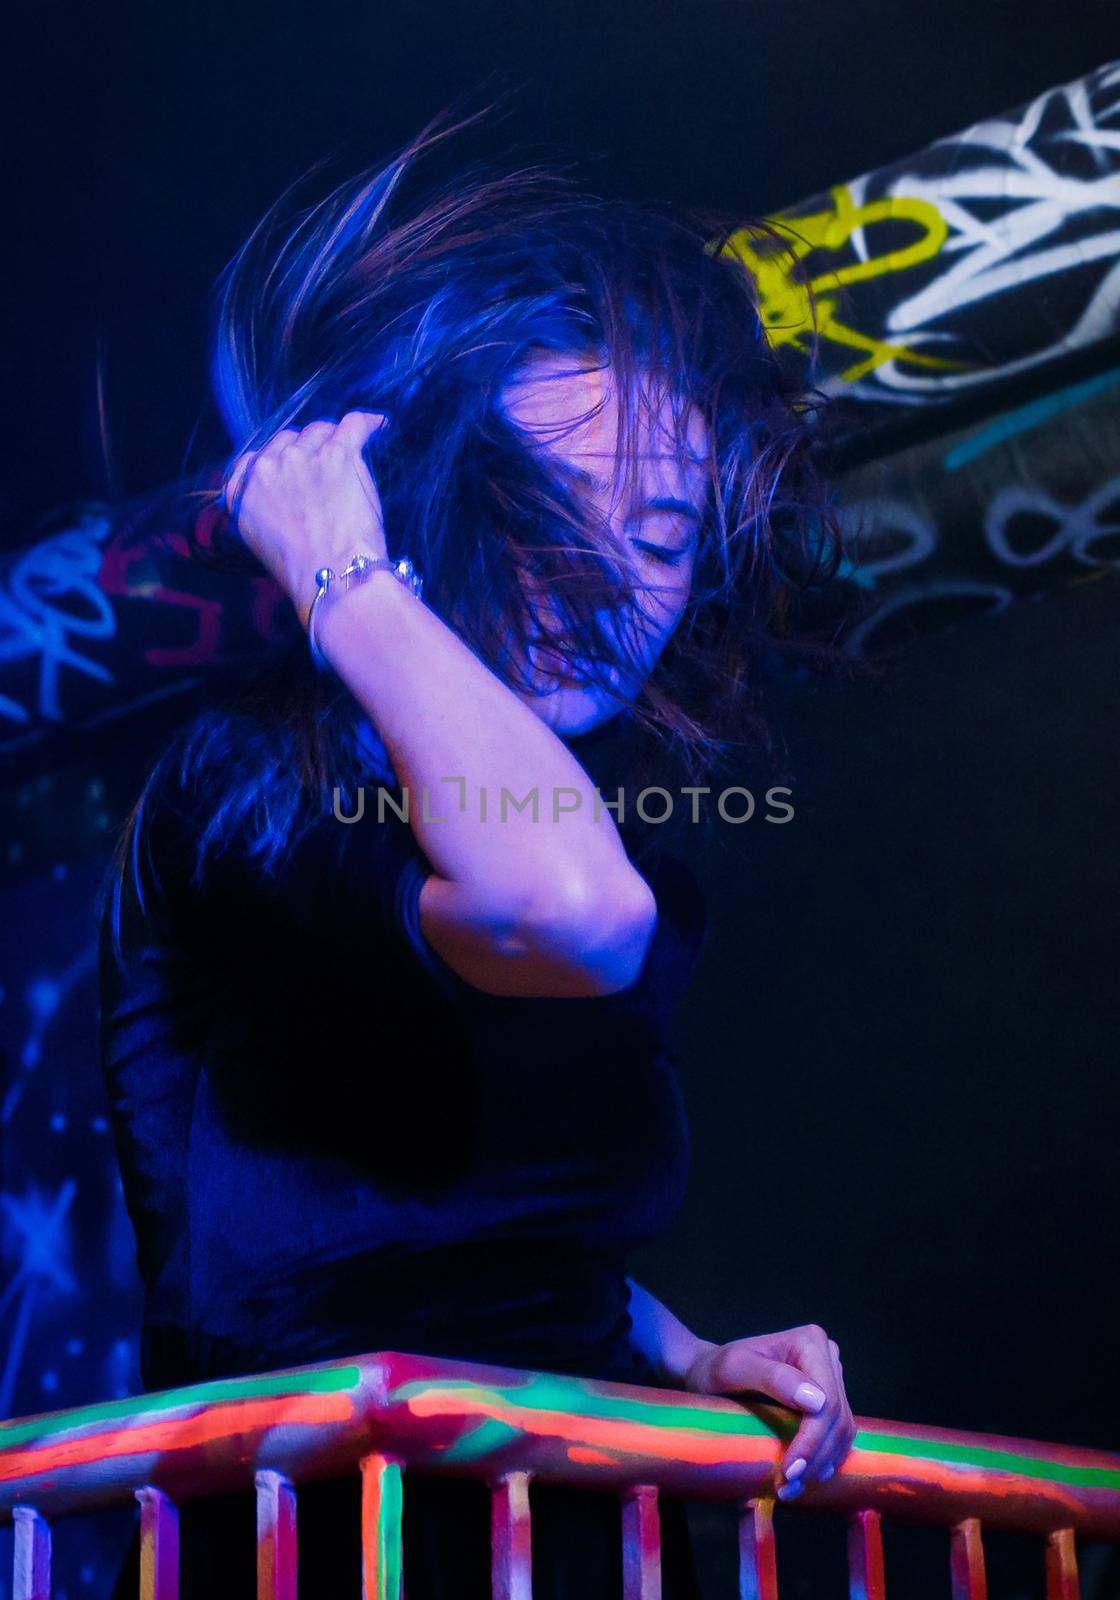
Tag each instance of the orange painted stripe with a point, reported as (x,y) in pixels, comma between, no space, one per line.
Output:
(171,1435)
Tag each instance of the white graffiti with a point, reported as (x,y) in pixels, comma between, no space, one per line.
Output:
(1078,529)
(49,602)
(891,536)
(1048,221)
(959,597)
(897,536)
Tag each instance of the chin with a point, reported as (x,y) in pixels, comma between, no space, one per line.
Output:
(571,710)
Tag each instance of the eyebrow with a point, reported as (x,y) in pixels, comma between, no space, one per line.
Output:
(669,503)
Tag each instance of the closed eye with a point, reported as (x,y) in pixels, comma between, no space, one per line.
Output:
(667,556)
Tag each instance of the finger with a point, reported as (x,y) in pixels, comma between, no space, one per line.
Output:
(846,1424)
(810,1455)
(235,478)
(736,1367)
(810,1347)
(358,427)
(280,440)
(840,1443)
(314,435)
(831,1448)
(809,1447)
(811,1353)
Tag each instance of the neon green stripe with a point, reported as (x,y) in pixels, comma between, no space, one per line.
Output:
(546,1395)
(992,1460)
(484,1440)
(133,1409)
(550,1395)
(391,1526)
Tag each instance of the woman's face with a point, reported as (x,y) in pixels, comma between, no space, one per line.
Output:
(655,521)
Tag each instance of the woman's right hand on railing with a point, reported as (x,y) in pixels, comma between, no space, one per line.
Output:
(800,1368)
(307,500)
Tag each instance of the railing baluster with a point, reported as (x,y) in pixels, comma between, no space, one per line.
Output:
(1061,1566)
(510,1538)
(159,1545)
(758,1566)
(966,1561)
(277,1550)
(381,1528)
(32,1576)
(641,1544)
(865,1557)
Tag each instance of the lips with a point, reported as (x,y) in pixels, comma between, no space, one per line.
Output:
(551,664)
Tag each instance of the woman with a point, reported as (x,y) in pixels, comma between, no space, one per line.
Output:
(397,1076)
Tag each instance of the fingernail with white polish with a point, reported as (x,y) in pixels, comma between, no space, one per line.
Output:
(796,1468)
(809,1396)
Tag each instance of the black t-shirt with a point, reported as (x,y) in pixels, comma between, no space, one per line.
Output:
(330,1143)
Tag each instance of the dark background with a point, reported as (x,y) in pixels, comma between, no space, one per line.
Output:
(899,1051)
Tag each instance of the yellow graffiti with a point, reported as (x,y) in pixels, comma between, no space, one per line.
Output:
(791,305)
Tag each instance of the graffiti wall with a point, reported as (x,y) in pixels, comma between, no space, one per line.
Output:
(1011,508)
(110,614)
(988,256)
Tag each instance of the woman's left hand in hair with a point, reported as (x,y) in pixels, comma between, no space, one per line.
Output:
(306,500)
(800,1368)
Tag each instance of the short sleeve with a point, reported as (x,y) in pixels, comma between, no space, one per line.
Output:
(680,889)
(406,918)
(369,874)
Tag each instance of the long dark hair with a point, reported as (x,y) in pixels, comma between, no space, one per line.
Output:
(423,305)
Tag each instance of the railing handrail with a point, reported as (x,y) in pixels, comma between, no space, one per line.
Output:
(438,1415)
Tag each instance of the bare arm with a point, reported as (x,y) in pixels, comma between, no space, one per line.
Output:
(547,890)
(659,1336)
(545,904)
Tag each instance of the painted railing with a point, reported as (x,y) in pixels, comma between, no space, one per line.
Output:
(379,1414)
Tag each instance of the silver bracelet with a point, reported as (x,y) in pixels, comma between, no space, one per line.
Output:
(355,572)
